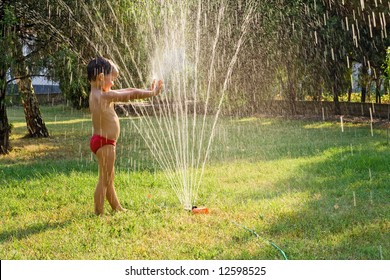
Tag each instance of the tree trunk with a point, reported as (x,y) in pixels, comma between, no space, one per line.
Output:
(363,82)
(349,93)
(378,85)
(5,128)
(35,125)
(336,95)
(292,95)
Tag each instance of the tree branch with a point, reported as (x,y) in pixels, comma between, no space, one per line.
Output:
(23,77)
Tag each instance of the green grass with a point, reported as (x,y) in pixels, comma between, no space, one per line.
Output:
(314,191)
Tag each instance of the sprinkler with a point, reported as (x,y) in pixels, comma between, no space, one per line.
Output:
(200,210)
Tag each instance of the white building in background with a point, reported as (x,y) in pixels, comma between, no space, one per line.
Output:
(41,85)
(356,69)
(355,76)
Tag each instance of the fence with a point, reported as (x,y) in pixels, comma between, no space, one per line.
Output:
(313,109)
(323,109)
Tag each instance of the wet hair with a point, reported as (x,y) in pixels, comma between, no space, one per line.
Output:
(98,65)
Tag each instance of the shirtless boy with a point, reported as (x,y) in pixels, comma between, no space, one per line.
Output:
(102,74)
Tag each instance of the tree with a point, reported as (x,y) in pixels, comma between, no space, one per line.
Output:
(367,25)
(7,21)
(18,30)
(35,125)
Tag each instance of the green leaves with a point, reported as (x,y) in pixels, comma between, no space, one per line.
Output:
(67,69)
(9,17)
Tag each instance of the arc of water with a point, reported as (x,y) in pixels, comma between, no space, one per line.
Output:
(180,147)
(225,86)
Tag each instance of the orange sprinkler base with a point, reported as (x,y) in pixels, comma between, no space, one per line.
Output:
(200,210)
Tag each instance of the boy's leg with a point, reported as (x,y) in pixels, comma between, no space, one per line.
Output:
(105,187)
(111,193)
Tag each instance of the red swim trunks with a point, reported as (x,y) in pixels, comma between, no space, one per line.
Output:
(98,141)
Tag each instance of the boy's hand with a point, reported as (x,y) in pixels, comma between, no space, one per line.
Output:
(157,89)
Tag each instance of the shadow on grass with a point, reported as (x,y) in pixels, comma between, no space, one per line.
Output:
(18,173)
(25,232)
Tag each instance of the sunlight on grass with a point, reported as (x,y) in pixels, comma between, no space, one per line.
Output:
(319,125)
(253,120)
(74,121)
(26,152)
(18,124)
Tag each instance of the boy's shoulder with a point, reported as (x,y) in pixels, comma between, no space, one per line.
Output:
(96,93)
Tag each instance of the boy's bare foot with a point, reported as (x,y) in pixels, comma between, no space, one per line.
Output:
(120,209)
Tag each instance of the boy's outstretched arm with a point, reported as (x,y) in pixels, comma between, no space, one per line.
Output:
(124,95)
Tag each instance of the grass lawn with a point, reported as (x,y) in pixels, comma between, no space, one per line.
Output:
(305,186)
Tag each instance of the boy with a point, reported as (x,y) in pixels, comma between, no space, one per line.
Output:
(101,74)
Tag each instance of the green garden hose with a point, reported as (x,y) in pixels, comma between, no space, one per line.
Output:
(259,237)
